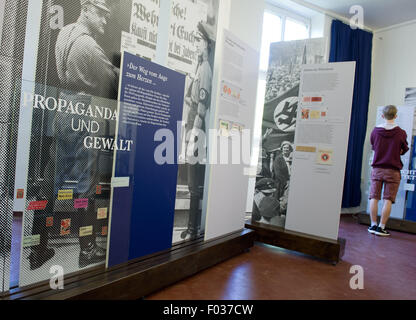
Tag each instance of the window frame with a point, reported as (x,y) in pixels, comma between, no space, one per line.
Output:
(283,14)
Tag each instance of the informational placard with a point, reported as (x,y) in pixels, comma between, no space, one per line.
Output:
(321,143)
(142,213)
(229,168)
(405,120)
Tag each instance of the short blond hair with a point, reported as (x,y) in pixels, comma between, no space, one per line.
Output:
(390,112)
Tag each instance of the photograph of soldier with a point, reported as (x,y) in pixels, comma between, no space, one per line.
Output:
(191,176)
(279,121)
(198,101)
(86,56)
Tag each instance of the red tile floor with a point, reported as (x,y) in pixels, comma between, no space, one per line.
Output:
(270,273)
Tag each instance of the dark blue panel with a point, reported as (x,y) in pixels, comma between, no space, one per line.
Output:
(143,213)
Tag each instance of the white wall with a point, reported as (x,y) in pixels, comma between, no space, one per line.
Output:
(393,70)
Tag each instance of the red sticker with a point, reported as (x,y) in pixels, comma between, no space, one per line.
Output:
(20,193)
(98,190)
(37,205)
(65,227)
(104,231)
(316,99)
(325,157)
(49,221)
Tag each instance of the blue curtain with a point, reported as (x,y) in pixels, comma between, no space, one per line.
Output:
(354,45)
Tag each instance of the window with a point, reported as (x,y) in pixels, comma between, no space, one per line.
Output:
(295,30)
(272,32)
(279,25)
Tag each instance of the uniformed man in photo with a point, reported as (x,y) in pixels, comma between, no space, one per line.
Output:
(85,72)
(81,63)
(197,122)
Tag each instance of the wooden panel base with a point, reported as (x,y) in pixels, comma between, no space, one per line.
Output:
(142,277)
(321,248)
(392,223)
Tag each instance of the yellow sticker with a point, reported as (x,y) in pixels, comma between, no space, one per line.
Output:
(65,194)
(305,149)
(102,213)
(85,231)
(315,114)
(31,241)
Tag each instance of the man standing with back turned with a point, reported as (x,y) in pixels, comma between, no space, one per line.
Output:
(389,142)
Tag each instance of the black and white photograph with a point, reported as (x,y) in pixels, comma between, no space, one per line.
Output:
(279,123)
(69,187)
(78,62)
(196,115)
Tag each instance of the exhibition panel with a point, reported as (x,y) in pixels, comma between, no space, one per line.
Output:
(279,125)
(12,33)
(72,58)
(230,148)
(320,149)
(191,50)
(405,120)
(410,214)
(69,174)
(145,171)
(405,204)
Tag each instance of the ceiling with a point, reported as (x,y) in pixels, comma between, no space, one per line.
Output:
(378,14)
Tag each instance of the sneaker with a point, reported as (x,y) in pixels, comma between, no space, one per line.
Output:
(382,232)
(372,229)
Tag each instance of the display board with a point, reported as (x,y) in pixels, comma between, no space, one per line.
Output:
(63,222)
(321,143)
(191,51)
(279,124)
(5,212)
(66,182)
(145,169)
(63,54)
(229,169)
(410,176)
(405,120)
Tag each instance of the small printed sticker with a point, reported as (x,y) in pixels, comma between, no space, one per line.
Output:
(324,157)
(409,187)
(305,114)
(30,241)
(65,194)
(85,231)
(81,203)
(306,149)
(98,190)
(65,227)
(120,182)
(37,205)
(102,213)
(224,128)
(49,221)
(20,193)
(104,231)
(315,114)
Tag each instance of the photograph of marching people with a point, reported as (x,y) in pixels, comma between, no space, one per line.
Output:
(202,24)
(279,123)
